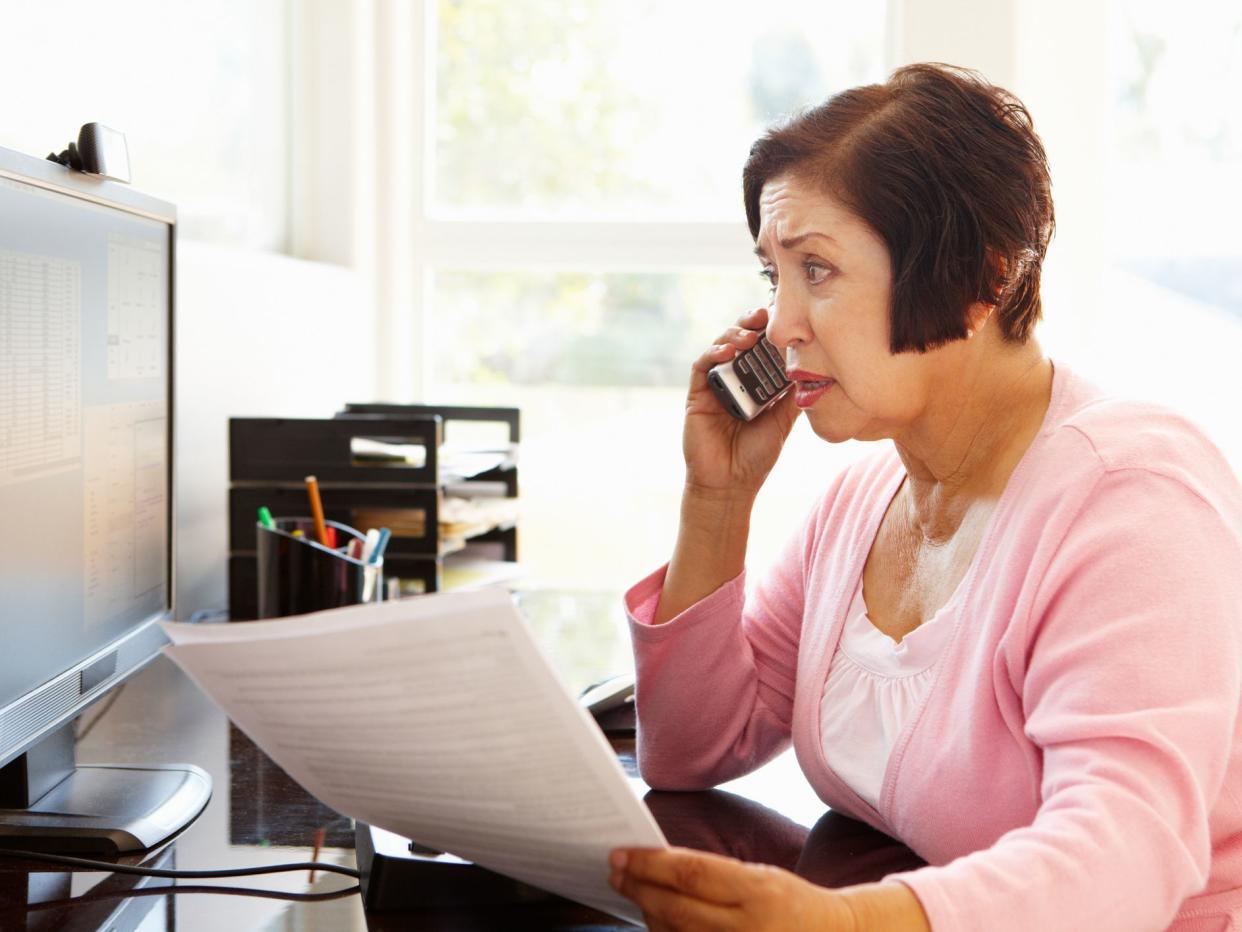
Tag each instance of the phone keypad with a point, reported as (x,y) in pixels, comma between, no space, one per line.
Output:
(770,361)
(761,370)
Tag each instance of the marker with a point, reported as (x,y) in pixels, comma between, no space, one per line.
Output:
(330,533)
(297,532)
(354,549)
(380,545)
(265,518)
(369,546)
(312,491)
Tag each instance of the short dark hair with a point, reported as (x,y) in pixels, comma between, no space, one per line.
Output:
(948,170)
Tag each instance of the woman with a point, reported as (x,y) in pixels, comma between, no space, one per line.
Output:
(1010,638)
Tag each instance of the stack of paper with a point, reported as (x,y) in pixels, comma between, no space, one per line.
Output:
(460,519)
(463,518)
(401,522)
(436,718)
(458,463)
(455,463)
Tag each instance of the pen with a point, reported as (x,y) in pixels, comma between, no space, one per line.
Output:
(380,544)
(265,518)
(369,546)
(312,490)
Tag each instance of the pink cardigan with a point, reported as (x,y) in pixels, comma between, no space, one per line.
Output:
(1076,763)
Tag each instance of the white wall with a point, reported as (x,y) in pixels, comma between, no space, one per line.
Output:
(200,91)
(976,34)
(1054,55)
(257,335)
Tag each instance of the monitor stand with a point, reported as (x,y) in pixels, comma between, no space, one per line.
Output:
(50,803)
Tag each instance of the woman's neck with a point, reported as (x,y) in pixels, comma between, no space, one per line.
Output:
(967,444)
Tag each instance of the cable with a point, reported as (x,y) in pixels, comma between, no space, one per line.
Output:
(84,730)
(172,890)
(108,866)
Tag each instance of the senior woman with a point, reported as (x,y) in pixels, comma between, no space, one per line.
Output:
(1011,637)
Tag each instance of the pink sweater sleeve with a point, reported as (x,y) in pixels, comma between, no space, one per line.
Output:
(716,684)
(1129,668)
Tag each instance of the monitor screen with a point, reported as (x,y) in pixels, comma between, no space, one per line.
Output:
(84,429)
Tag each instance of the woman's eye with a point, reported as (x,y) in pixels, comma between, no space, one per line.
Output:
(768,275)
(816,273)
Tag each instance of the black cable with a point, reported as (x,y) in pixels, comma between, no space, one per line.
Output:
(173,890)
(86,729)
(110,867)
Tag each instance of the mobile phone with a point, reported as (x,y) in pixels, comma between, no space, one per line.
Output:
(751,382)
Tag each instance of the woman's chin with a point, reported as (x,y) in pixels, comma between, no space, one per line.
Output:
(826,428)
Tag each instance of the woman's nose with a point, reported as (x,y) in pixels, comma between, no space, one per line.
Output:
(787,320)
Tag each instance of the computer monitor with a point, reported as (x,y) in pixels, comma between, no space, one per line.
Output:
(86,529)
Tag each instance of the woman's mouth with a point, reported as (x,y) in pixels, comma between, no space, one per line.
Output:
(809,387)
(807,393)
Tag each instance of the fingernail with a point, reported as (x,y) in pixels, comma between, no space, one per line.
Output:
(617,860)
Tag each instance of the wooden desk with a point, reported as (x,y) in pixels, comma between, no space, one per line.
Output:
(258,816)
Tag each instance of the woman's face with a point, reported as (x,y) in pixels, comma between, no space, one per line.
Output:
(829,313)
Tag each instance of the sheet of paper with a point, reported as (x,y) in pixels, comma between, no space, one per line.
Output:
(436,718)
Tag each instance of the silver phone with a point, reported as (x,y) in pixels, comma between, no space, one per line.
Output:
(608,694)
(751,382)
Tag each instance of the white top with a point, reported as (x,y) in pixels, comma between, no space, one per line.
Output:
(874,687)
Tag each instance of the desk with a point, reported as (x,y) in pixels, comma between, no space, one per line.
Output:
(258,816)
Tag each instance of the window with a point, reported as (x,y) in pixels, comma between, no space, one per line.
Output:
(598,107)
(585,240)
(1171,327)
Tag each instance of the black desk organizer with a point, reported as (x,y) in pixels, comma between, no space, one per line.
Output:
(269,459)
(401,875)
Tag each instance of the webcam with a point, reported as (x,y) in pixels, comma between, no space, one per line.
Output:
(100,150)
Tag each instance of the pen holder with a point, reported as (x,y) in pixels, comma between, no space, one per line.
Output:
(298,575)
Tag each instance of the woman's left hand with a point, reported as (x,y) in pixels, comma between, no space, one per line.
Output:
(680,889)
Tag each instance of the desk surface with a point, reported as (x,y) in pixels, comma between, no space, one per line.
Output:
(258,816)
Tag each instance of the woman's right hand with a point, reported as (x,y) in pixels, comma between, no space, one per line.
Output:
(723,454)
(727,461)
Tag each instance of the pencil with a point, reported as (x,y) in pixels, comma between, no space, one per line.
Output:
(321,835)
(312,490)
